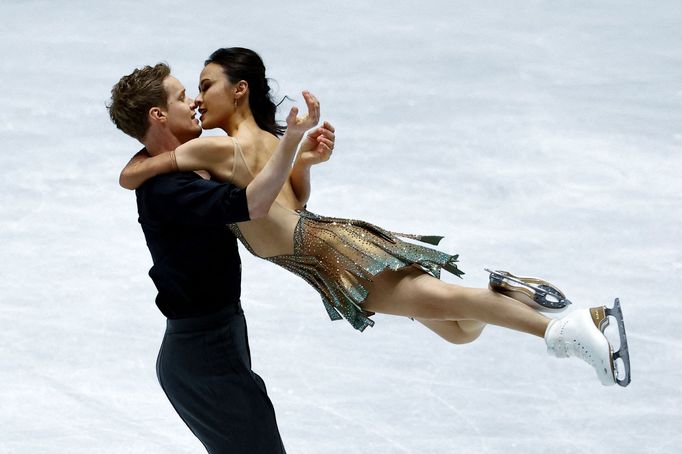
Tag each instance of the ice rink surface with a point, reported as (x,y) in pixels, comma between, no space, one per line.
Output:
(541,137)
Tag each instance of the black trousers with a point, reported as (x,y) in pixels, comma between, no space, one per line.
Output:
(204,367)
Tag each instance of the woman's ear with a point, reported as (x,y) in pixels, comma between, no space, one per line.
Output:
(241,89)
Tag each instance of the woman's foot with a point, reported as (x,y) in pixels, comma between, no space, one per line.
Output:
(536,293)
(581,334)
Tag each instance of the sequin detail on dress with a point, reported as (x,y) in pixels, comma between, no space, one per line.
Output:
(334,255)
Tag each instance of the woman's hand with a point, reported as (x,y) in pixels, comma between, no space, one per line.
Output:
(139,157)
(127,179)
(317,146)
(299,125)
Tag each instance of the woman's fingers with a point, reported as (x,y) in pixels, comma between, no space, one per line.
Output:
(324,148)
(326,142)
(308,121)
(292,115)
(313,106)
(327,133)
(319,132)
(315,133)
(328,126)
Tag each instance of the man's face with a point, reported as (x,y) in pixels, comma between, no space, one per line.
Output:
(181,111)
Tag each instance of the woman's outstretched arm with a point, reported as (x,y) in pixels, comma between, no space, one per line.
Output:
(128,178)
(316,148)
(263,190)
(213,154)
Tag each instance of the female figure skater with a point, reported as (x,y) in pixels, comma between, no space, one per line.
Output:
(358,268)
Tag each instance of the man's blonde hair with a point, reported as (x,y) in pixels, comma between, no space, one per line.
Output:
(134,95)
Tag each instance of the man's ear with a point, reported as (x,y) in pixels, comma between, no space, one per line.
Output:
(156,114)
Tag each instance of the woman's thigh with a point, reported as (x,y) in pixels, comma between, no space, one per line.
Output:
(411,292)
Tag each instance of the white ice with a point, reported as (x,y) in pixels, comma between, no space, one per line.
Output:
(541,137)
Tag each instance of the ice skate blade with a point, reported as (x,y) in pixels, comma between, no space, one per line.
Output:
(536,293)
(623,352)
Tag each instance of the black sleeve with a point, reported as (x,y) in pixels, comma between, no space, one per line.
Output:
(186,198)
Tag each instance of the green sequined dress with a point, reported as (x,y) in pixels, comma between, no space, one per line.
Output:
(334,255)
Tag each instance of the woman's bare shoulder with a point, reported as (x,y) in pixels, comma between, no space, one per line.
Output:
(211,141)
(209,148)
(215,154)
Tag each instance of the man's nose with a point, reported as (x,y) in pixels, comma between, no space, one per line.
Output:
(192,103)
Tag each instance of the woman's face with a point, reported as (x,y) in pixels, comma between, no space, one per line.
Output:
(216,97)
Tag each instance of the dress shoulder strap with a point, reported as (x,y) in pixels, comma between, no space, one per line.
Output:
(241,173)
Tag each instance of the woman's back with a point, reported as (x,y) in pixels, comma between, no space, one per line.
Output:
(272,235)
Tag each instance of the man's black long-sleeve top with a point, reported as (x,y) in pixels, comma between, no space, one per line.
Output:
(196,269)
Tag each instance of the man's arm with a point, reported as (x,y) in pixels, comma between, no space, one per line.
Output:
(317,148)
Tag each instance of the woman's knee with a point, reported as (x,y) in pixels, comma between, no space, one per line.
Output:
(460,334)
(471,330)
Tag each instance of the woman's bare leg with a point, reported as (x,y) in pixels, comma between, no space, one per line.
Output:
(412,293)
(455,331)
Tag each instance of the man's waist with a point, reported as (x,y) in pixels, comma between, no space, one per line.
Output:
(205,321)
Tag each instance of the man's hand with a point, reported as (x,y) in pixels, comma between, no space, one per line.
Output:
(317,146)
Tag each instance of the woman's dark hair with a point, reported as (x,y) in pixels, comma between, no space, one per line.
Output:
(244,64)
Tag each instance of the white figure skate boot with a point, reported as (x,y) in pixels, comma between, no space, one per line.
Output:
(581,334)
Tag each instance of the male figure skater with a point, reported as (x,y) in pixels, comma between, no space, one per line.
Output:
(204,363)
